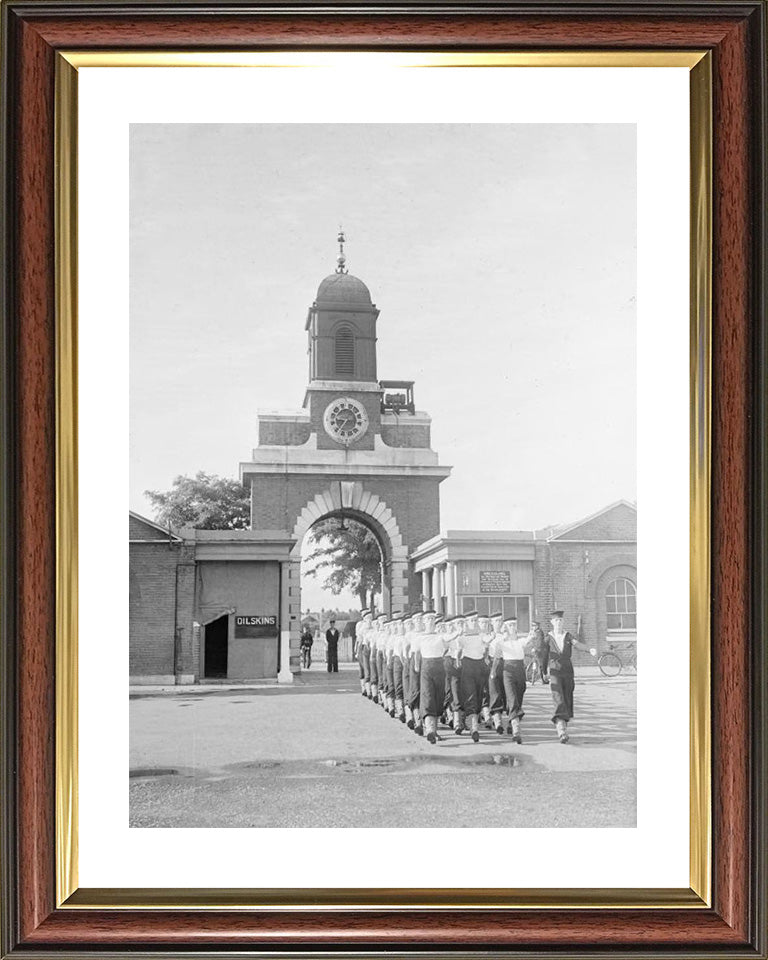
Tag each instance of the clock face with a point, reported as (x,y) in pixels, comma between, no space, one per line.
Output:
(345,419)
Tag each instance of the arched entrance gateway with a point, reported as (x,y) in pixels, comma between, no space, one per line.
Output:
(357,448)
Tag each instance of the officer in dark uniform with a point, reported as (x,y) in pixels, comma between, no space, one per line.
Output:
(332,655)
(561,644)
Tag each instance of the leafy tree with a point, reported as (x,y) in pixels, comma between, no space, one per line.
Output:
(205,502)
(349,554)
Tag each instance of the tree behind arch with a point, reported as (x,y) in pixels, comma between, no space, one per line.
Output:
(349,555)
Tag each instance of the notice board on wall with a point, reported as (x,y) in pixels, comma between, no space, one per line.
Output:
(495,581)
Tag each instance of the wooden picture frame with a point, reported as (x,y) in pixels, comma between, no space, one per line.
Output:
(37,577)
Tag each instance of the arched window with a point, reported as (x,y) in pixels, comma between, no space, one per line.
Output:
(621,604)
(345,354)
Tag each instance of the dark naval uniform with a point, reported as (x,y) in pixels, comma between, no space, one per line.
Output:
(561,676)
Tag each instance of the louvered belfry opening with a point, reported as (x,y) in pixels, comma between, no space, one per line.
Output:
(345,354)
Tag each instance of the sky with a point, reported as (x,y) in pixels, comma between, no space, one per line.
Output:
(501,256)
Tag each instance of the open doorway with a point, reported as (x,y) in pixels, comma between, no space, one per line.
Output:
(216,648)
(342,571)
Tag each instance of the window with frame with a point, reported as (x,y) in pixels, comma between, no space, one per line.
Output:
(345,354)
(621,604)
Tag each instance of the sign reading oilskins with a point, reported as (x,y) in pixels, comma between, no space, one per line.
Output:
(255,626)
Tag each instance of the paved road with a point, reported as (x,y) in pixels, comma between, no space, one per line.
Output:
(317,754)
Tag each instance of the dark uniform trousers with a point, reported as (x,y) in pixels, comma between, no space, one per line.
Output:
(561,684)
(364,655)
(373,666)
(514,687)
(383,672)
(397,678)
(472,683)
(452,698)
(413,689)
(432,686)
(561,678)
(486,684)
(496,686)
(389,669)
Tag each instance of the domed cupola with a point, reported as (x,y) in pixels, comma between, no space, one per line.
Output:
(343,288)
(341,324)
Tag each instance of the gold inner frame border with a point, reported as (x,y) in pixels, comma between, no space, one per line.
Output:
(68,893)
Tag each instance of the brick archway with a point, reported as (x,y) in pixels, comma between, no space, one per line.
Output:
(354,500)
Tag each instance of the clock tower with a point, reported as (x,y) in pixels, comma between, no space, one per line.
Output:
(358,448)
(343,396)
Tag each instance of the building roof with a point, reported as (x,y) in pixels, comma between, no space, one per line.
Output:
(344,288)
(142,529)
(560,531)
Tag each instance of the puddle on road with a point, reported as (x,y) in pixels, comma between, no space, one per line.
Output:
(409,764)
(153,772)
(304,769)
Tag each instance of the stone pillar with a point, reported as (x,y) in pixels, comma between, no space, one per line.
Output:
(450,587)
(425,591)
(386,602)
(285,674)
(398,575)
(435,577)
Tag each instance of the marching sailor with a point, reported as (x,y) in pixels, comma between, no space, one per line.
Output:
(413,660)
(513,654)
(432,648)
(398,644)
(474,647)
(484,629)
(372,636)
(385,628)
(496,702)
(453,705)
(363,652)
(561,644)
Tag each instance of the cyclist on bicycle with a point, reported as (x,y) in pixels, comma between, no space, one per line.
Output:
(538,648)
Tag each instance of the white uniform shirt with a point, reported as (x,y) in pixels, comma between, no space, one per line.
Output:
(512,647)
(474,645)
(495,646)
(432,644)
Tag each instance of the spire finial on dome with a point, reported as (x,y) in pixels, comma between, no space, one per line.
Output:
(341,260)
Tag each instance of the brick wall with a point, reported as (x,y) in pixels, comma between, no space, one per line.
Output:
(138,529)
(282,433)
(405,434)
(620,523)
(573,577)
(152,608)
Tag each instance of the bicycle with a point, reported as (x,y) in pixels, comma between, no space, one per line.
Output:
(532,671)
(611,663)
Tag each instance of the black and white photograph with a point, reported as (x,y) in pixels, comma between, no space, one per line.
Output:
(383,475)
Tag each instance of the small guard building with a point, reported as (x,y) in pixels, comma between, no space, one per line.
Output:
(217,605)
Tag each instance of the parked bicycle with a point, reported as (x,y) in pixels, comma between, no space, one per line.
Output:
(611,662)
